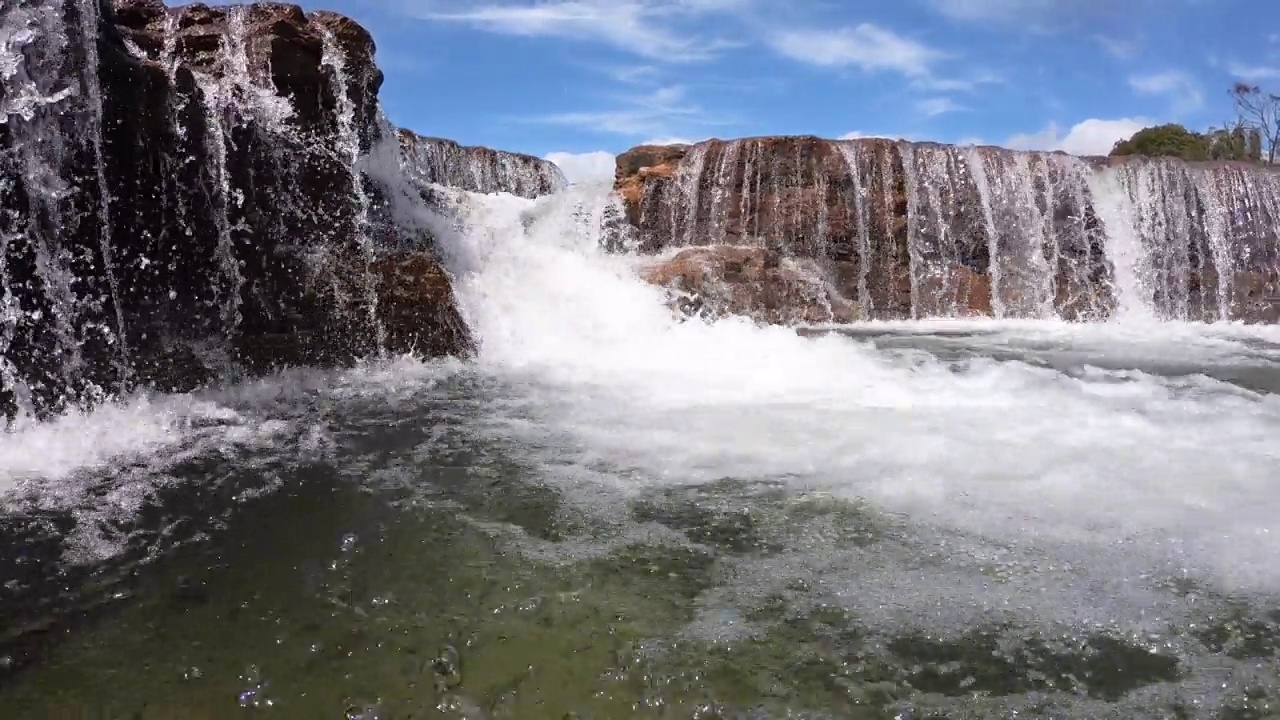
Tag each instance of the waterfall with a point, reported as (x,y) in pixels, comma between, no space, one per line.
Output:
(1195,243)
(41,92)
(437,161)
(88,14)
(861,221)
(978,170)
(349,144)
(919,230)
(174,208)
(914,240)
(226,294)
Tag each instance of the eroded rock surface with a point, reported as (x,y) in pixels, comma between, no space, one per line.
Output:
(478,169)
(182,183)
(913,230)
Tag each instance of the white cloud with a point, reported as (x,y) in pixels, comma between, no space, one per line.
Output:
(1253,72)
(858,134)
(665,112)
(938,106)
(1116,47)
(872,49)
(658,29)
(970,82)
(669,141)
(585,167)
(1088,137)
(634,74)
(989,9)
(866,46)
(1040,16)
(1182,90)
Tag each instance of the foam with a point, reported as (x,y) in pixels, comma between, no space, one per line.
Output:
(1078,435)
(1133,441)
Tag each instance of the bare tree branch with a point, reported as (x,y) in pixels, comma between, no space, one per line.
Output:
(1259,111)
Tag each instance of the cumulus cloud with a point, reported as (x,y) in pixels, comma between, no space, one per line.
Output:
(585,167)
(1088,137)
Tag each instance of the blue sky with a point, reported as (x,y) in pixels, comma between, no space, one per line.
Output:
(568,78)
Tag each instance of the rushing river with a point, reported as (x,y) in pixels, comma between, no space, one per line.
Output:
(611,513)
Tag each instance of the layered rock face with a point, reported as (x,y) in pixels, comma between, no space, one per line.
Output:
(1204,237)
(437,161)
(196,183)
(877,229)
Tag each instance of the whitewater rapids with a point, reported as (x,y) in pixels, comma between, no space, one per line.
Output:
(1066,473)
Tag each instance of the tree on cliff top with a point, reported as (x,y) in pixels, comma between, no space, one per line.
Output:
(1259,111)
(1236,141)
(1169,140)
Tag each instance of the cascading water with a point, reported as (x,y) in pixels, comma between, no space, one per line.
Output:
(445,162)
(349,139)
(933,517)
(988,231)
(990,489)
(87,10)
(1124,245)
(862,222)
(40,93)
(1196,243)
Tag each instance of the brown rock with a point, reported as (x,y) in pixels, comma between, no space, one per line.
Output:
(748,281)
(478,169)
(417,308)
(901,229)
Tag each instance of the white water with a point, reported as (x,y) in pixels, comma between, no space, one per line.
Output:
(1180,468)
(1045,440)
(1124,245)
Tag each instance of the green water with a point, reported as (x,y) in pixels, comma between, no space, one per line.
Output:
(327,598)
(415,565)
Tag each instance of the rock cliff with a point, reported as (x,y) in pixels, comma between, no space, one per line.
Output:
(478,169)
(878,229)
(185,188)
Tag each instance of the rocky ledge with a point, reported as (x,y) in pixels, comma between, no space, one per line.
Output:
(438,161)
(206,201)
(802,229)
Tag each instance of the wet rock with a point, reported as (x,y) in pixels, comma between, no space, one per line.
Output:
(478,169)
(905,230)
(735,280)
(417,308)
(208,198)
(447,669)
